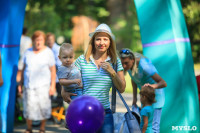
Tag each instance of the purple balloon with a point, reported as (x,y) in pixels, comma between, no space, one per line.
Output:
(85,114)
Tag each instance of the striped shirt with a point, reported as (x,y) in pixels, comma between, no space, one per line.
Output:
(96,82)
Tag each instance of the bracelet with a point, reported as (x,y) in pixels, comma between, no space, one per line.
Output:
(113,75)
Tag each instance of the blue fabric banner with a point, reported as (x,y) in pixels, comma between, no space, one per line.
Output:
(11,23)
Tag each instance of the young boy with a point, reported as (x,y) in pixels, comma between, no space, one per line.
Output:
(68,74)
(147,97)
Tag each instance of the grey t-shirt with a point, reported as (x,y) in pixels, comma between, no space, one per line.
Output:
(69,73)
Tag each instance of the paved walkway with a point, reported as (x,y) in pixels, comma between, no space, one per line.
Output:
(55,128)
(51,127)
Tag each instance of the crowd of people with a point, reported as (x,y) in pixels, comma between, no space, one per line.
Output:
(46,68)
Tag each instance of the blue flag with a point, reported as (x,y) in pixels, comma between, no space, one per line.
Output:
(11,24)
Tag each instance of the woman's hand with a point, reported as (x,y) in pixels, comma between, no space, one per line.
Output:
(52,91)
(66,96)
(150,85)
(134,102)
(106,66)
(20,89)
(160,83)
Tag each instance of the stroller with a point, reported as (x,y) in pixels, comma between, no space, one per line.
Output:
(18,110)
(58,110)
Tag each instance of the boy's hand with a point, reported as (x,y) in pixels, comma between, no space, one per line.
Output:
(77,81)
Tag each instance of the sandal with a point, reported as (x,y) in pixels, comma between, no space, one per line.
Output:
(28,131)
(41,131)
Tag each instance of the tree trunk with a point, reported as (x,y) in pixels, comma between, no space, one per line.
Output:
(118,9)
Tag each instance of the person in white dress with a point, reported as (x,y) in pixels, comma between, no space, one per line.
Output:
(38,78)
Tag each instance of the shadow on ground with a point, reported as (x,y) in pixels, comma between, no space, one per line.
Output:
(51,127)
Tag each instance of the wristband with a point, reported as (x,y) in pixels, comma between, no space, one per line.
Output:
(113,75)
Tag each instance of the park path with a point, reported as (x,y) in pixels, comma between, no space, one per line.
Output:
(55,128)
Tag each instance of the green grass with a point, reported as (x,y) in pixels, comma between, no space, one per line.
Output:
(129,88)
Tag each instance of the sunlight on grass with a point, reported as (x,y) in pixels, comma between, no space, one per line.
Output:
(128,84)
(128,88)
(197,66)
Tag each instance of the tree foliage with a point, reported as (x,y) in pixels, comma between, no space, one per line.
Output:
(55,16)
(191,10)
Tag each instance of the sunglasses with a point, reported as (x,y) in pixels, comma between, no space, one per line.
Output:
(125,51)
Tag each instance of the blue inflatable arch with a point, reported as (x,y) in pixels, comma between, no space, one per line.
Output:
(166,42)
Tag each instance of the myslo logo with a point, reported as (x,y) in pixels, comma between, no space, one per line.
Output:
(184,128)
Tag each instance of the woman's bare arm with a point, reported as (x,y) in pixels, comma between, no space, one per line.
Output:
(117,78)
(160,83)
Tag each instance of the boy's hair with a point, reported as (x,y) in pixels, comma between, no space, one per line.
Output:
(149,93)
(65,46)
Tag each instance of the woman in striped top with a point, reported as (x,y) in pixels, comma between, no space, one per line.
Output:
(97,71)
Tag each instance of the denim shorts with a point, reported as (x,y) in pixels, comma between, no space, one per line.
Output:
(79,92)
(108,124)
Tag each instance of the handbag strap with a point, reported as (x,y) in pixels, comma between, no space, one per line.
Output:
(113,100)
(124,102)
